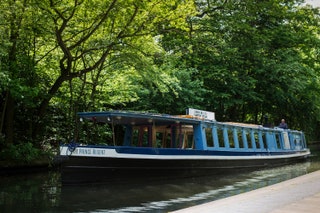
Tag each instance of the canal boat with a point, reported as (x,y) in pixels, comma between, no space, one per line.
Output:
(132,144)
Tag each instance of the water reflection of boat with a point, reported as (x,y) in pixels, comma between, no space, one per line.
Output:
(146,144)
(169,195)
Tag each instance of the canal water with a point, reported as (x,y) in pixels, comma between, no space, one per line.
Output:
(43,192)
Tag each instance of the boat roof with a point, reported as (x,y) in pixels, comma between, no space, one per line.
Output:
(147,118)
(244,124)
(138,118)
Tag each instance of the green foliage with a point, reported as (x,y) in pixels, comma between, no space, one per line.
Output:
(4,81)
(254,58)
(64,54)
(95,133)
(241,59)
(20,153)
(172,90)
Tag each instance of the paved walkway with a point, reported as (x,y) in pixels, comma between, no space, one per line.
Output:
(301,194)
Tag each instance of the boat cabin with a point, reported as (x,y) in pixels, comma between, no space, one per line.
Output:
(193,132)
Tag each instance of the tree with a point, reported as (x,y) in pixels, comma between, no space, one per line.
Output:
(19,83)
(173,90)
(63,41)
(255,58)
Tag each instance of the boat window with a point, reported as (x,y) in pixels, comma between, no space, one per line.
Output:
(95,133)
(231,138)
(253,139)
(264,140)
(167,140)
(144,136)
(240,139)
(209,137)
(225,137)
(135,136)
(256,139)
(176,137)
(297,141)
(118,135)
(188,140)
(141,136)
(164,135)
(278,140)
(159,139)
(249,139)
(220,136)
(171,136)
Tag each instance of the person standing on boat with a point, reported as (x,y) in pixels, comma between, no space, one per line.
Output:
(283,124)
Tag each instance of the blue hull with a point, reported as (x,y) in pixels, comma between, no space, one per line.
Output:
(80,169)
(156,145)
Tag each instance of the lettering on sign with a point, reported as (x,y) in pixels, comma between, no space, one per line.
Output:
(89,151)
(201,113)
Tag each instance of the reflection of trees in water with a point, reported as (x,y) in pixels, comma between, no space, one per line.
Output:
(171,194)
(43,192)
(35,192)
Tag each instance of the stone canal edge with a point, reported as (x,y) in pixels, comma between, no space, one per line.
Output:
(301,194)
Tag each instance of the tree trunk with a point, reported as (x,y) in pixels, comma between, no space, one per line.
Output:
(9,119)
(44,106)
(3,113)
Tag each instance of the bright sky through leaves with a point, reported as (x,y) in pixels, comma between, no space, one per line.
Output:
(315,3)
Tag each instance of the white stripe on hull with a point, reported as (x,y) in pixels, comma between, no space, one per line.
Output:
(111,153)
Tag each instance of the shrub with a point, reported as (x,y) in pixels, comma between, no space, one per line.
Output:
(20,153)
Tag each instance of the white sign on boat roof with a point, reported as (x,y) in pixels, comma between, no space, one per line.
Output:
(201,113)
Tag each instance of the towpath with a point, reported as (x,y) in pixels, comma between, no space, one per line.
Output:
(301,194)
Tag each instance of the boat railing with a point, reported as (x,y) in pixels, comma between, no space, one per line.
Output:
(250,138)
